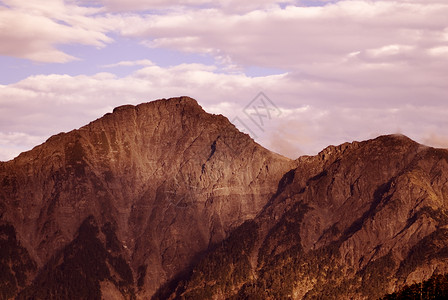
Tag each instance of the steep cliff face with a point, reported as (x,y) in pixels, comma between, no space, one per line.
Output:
(144,190)
(356,221)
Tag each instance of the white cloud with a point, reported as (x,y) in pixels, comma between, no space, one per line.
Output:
(389,50)
(33,29)
(439,51)
(351,69)
(312,113)
(243,32)
(13,143)
(300,38)
(42,105)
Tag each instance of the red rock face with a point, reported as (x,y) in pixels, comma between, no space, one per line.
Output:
(164,200)
(167,180)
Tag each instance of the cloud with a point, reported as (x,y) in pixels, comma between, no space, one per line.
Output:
(288,138)
(296,36)
(439,51)
(13,143)
(360,46)
(43,105)
(269,33)
(351,70)
(33,29)
(436,140)
(127,63)
(39,106)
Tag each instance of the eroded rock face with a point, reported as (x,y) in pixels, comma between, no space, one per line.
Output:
(165,178)
(356,221)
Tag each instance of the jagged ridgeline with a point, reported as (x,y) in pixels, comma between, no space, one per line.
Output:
(163,200)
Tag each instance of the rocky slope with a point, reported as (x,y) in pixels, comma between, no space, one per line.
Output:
(129,201)
(355,222)
(163,200)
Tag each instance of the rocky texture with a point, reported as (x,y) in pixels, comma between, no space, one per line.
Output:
(144,190)
(354,222)
(163,200)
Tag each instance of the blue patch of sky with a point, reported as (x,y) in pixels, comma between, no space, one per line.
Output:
(92,60)
(283,5)
(90,3)
(313,3)
(255,71)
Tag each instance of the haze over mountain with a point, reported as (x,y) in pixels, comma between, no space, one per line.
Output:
(165,200)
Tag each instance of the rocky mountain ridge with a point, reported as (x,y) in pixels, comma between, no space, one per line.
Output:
(163,200)
(164,178)
(356,221)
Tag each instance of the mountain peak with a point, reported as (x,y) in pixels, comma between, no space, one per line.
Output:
(125,206)
(165,108)
(172,103)
(160,182)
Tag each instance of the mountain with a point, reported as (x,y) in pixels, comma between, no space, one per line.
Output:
(356,221)
(127,202)
(163,200)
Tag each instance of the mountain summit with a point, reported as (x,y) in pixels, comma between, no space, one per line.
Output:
(129,201)
(163,200)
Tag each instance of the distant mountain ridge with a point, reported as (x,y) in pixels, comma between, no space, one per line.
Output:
(163,200)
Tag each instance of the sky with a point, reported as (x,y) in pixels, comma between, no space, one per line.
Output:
(295,75)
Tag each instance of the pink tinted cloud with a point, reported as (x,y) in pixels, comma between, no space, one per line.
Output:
(33,29)
(299,35)
(362,68)
(436,140)
(39,106)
